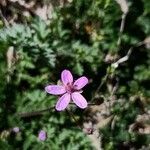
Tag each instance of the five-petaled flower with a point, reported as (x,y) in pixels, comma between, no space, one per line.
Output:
(69,90)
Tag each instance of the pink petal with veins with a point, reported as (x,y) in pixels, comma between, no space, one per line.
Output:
(63,102)
(55,89)
(80,83)
(79,100)
(66,77)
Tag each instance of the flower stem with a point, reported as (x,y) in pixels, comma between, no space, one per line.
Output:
(72,115)
(40,112)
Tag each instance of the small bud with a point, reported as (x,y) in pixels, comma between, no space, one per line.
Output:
(16,129)
(42,135)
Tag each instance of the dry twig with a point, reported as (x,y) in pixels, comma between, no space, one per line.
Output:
(124,8)
(6,23)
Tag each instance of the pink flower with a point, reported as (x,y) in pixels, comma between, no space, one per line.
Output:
(42,135)
(69,90)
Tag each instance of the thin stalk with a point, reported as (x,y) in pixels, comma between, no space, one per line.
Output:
(40,112)
(72,115)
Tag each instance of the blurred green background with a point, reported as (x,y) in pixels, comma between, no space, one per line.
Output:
(39,39)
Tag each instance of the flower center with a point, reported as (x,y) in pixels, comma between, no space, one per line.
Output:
(69,88)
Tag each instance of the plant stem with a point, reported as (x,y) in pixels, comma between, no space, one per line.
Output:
(40,112)
(72,115)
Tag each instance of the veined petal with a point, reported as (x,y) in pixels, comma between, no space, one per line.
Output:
(79,100)
(66,77)
(80,83)
(55,89)
(63,102)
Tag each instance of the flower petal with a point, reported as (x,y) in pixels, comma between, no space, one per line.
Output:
(63,102)
(80,83)
(79,100)
(66,77)
(55,89)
